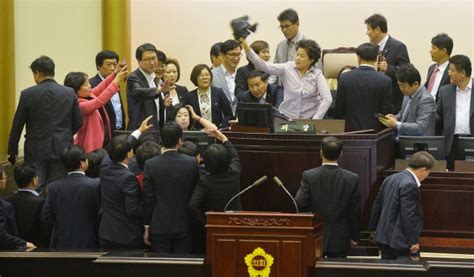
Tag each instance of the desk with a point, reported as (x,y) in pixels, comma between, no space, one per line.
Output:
(288,155)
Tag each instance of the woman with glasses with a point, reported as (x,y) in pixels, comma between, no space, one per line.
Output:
(306,93)
(207,101)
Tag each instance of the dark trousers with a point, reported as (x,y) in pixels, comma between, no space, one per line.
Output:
(453,155)
(171,243)
(49,171)
(110,245)
(392,254)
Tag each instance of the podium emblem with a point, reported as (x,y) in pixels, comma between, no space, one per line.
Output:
(259,263)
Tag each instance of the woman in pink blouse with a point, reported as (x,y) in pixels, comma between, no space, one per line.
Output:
(95,131)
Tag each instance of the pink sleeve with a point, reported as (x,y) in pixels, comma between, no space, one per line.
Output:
(88,107)
(103,85)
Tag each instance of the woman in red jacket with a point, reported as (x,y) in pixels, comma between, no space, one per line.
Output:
(95,131)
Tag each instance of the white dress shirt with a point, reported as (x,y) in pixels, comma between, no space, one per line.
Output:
(150,78)
(439,75)
(463,108)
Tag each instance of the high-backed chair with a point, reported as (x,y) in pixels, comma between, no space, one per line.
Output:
(334,60)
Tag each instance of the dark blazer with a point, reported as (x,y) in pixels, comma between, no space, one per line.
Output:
(446,115)
(72,208)
(109,107)
(333,193)
(445,80)
(420,118)
(221,112)
(396,214)
(8,229)
(122,217)
(169,181)
(28,208)
(214,191)
(396,54)
(274,96)
(241,84)
(182,92)
(361,93)
(141,101)
(52,116)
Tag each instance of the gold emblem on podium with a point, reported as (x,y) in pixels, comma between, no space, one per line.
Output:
(259,263)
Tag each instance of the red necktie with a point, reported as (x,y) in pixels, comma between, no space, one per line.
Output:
(432,79)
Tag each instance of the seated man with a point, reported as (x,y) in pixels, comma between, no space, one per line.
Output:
(260,91)
(418,114)
(28,205)
(333,193)
(72,205)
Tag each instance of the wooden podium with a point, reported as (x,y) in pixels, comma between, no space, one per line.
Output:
(241,243)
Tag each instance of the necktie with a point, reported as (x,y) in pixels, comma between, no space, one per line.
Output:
(432,79)
(405,111)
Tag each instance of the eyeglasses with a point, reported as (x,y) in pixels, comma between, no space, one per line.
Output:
(202,76)
(234,55)
(286,26)
(154,59)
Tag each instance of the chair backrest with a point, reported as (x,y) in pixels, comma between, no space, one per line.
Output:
(334,60)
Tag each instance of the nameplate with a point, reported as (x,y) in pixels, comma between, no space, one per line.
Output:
(293,127)
(259,221)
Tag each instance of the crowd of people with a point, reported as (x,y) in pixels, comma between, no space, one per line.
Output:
(86,188)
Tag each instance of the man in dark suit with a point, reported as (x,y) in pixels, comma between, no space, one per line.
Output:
(28,205)
(455,110)
(8,230)
(396,216)
(363,92)
(418,114)
(260,91)
(144,94)
(441,48)
(52,116)
(393,53)
(73,203)
(106,62)
(168,184)
(333,193)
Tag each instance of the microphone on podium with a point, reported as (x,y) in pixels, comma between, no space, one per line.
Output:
(256,183)
(280,183)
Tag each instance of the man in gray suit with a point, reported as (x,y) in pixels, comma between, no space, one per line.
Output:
(396,216)
(455,111)
(224,75)
(418,114)
(52,116)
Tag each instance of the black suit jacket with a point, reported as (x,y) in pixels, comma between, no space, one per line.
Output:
(109,107)
(52,116)
(333,193)
(141,101)
(72,208)
(361,93)
(396,54)
(8,229)
(168,183)
(274,96)
(221,112)
(214,191)
(445,80)
(396,214)
(122,217)
(28,208)
(182,92)
(446,115)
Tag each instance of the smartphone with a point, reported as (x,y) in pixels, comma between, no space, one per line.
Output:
(377,115)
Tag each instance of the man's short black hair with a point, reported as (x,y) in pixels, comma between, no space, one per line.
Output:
(229,45)
(368,51)
(144,47)
(118,148)
(461,62)
(216,159)
(332,148)
(75,80)
(95,159)
(377,20)
(258,73)
(189,148)
(43,65)
(312,48)
(289,14)
(170,134)
(443,41)
(146,151)
(72,157)
(421,159)
(24,174)
(197,71)
(103,55)
(407,73)
(215,50)
(161,56)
